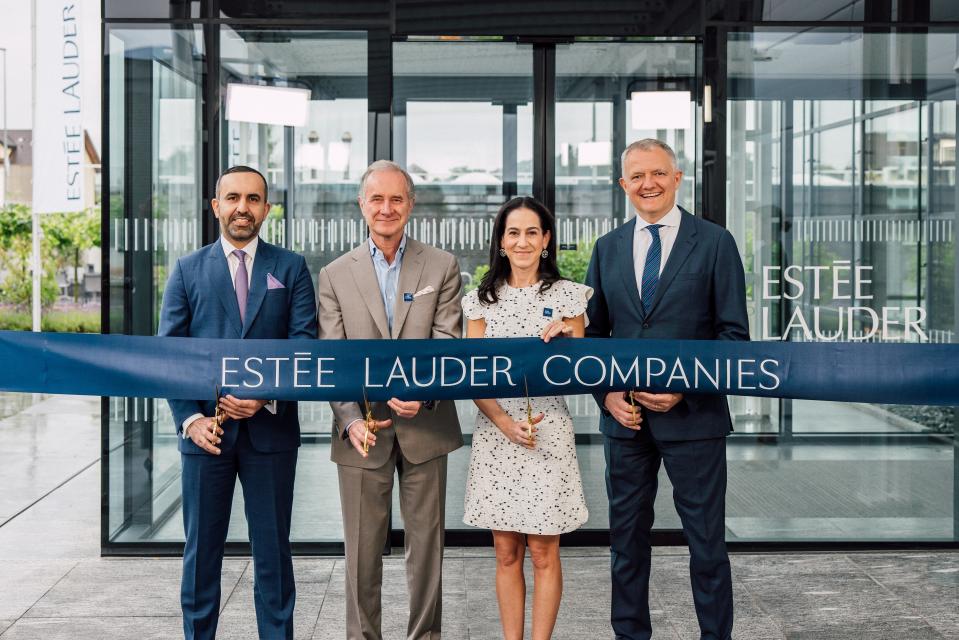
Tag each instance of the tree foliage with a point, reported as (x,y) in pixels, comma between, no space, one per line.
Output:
(69,235)
(65,237)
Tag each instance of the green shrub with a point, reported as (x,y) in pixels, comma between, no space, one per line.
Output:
(71,321)
(15,321)
(55,321)
(573,263)
(477,277)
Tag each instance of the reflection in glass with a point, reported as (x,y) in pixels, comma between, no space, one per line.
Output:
(609,94)
(312,164)
(113,9)
(155,207)
(792,10)
(462,127)
(155,77)
(841,169)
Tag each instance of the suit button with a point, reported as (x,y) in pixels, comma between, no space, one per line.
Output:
(645,325)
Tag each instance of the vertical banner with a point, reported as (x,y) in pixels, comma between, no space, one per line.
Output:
(58,140)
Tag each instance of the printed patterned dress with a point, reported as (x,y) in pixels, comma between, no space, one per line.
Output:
(509,487)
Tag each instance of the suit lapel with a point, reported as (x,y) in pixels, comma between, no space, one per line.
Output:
(218,271)
(263,263)
(685,242)
(629,268)
(410,272)
(368,287)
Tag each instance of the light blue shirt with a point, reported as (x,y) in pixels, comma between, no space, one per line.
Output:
(388,276)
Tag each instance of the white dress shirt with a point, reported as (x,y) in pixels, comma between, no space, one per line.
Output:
(234,263)
(642,239)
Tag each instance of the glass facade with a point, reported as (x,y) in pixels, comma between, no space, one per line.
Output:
(842,196)
(463,128)
(828,150)
(607,95)
(153,150)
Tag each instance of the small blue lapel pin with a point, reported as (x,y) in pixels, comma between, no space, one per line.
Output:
(407,297)
(548,312)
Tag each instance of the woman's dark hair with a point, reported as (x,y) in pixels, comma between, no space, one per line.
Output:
(499,268)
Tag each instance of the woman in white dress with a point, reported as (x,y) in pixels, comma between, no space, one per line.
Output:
(525,488)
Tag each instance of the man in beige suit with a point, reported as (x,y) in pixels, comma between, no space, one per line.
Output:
(392,287)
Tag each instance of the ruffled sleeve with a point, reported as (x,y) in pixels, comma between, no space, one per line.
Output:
(472,307)
(575,296)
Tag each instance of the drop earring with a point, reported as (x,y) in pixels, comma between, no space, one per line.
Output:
(502,252)
(545,254)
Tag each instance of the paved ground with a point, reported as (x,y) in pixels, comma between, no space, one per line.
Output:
(53,584)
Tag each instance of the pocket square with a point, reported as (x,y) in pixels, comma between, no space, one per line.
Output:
(273,283)
(423,292)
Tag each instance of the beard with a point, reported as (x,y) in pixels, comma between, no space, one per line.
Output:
(236,232)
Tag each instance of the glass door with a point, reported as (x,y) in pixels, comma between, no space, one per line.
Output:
(463,128)
(842,198)
(294,106)
(609,94)
(154,78)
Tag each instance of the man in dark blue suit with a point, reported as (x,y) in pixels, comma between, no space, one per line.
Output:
(238,287)
(666,274)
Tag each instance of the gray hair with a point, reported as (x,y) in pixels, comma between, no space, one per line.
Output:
(386,165)
(647,144)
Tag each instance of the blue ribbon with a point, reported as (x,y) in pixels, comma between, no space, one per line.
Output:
(189,368)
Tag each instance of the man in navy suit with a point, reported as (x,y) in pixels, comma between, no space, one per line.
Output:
(238,287)
(666,274)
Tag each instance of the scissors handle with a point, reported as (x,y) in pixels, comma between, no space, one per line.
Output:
(370,424)
(218,417)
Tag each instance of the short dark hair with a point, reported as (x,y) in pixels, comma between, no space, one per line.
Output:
(499,267)
(242,168)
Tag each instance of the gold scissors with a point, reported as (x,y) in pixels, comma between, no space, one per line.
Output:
(529,411)
(632,403)
(219,417)
(370,423)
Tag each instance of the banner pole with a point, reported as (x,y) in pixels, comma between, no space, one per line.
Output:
(36,266)
(37,271)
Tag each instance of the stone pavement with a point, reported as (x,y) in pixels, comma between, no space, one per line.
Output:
(54,585)
(809,596)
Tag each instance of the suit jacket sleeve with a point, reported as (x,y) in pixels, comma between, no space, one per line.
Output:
(175,321)
(331,328)
(448,321)
(597,311)
(730,320)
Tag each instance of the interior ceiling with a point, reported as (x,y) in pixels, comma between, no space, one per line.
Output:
(291,55)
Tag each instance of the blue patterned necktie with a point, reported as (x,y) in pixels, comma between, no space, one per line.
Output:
(651,268)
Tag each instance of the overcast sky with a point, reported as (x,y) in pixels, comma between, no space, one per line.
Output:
(17,38)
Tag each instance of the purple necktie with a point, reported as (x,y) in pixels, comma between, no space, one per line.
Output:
(241,283)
